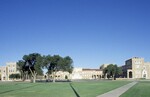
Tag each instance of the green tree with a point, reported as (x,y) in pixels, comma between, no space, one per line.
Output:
(112,70)
(105,72)
(67,65)
(12,76)
(46,64)
(119,72)
(31,64)
(20,65)
(57,63)
(17,76)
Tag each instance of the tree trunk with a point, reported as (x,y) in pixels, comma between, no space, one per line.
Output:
(47,76)
(33,76)
(34,79)
(23,77)
(105,76)
(54,77)
(113,77)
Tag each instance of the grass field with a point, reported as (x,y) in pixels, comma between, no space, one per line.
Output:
(141,89)
(83,89)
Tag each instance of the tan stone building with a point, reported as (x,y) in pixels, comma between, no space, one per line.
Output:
(83,73)
(136,68)
(3,75)
(5,71)
(78,73)
(60,75)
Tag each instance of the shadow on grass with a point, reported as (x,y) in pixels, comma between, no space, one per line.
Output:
(17,89)
(74,90)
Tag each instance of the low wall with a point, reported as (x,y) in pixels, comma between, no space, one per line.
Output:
(122,79)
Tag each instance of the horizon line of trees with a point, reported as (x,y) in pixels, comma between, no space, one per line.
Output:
(34,63)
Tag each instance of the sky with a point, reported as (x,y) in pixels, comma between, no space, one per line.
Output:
(91,32)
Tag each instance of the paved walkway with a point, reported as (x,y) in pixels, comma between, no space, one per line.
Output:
(117,92)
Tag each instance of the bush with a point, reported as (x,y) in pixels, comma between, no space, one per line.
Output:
(14,76)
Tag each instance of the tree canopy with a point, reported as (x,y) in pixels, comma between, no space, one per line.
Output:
(57,63)
(112,70)
(31,64)
(34,63)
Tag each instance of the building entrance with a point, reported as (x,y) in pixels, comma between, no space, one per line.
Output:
(130,74)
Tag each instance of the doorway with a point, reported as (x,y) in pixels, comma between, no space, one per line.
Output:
(130,74)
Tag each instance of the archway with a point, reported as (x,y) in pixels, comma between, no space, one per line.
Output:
(4,78)
(144,74)
(94,76)
(130,74)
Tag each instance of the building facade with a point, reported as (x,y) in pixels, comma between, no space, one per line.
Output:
(136,68)
(84,73)
(6,71)
(78,73)
(59,75)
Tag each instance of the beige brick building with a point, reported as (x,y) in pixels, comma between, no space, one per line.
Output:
(3,75)
(136,68)
(5,71)
(60,75)
(78,73)
(84,73)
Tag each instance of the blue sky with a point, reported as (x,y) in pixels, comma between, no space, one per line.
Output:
(92,32)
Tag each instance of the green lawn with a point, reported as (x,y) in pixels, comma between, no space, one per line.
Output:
(83,89)
(141,89)
(93,89)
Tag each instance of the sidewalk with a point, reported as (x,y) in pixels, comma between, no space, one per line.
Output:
(117,92)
